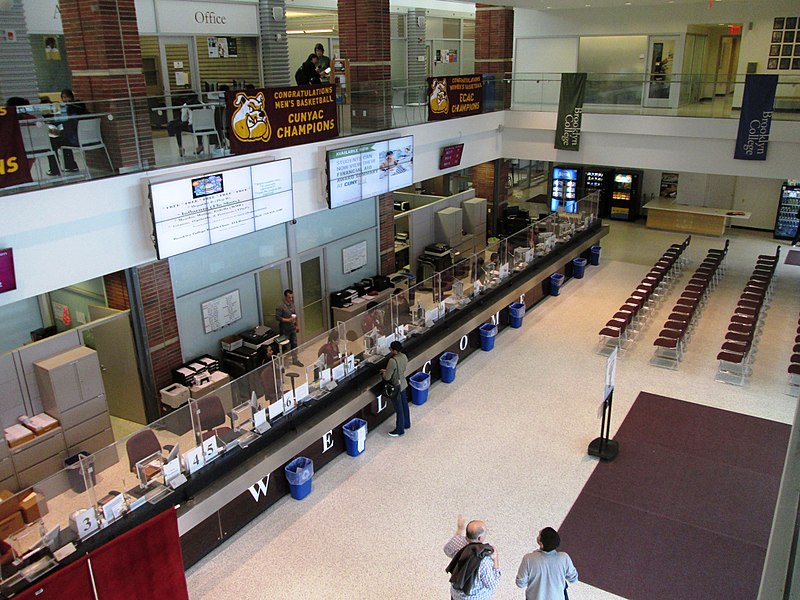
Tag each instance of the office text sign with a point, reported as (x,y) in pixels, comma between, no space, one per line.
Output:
(756,117)
(570,111)
(8,280)
(270,118)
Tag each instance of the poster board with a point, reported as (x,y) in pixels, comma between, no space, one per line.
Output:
(222,311)
(354,257)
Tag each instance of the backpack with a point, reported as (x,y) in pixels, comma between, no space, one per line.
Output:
(298,76)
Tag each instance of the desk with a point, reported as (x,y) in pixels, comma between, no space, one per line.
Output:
(345,314)
(663,214)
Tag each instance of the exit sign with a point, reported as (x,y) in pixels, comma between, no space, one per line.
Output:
(8,280)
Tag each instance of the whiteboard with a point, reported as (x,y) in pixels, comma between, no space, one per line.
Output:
(354,257)
(222,311)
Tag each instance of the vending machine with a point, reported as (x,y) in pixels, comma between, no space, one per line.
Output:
(786,222)
(596,179)
(625,195)
(564,190)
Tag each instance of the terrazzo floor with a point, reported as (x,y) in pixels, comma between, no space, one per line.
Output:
(506,442)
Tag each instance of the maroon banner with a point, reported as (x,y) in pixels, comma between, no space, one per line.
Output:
(269,118)
(456,96)
(14,165)
(8,280)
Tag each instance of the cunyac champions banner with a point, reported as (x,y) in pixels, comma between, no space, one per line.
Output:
(265,119)
(756,117)
(455,96)
(570,111)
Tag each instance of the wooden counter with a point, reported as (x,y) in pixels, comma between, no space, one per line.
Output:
(663,214)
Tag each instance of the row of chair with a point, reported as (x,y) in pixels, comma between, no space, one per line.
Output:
(794,366)
(672,339)
(620,330)
(741,340)
(36,138)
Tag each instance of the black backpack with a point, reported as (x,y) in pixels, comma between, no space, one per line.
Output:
(298,76)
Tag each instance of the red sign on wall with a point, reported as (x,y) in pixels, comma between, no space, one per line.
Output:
(14,166)
(8,280)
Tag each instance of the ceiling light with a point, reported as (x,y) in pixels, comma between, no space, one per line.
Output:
(294,31)
(319,30)
(627,4)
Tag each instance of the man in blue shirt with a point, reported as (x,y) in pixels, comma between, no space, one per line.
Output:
(545,572)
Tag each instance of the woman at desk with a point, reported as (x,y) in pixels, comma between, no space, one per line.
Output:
(372,319)
(401,307)
(330,349)
(67,134)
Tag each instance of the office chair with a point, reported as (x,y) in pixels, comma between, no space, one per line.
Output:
(89,138)
(37,141)
(141,445)
(211,415)
(203,126)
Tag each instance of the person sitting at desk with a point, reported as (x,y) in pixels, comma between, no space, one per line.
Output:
(331,349)
(371,319)
(401,307)
(183,122)
(68,134)
(264,355)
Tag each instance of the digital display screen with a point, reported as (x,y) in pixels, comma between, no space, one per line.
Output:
(198,211)
(568,174)
(623,178)
(367,170)
(451,156)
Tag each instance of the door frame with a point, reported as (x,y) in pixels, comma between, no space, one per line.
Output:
(298,290)
(194,65)
(671,101)
(286,281)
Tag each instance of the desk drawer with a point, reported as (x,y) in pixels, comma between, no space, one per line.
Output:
(34,452)
(42,470)
(83,412)
(94,443)
(75,435)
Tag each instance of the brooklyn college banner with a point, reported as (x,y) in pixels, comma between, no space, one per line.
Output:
(756,117)
(570,111)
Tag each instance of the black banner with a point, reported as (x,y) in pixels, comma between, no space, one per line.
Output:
(456,96)
(570,111)
(756,117)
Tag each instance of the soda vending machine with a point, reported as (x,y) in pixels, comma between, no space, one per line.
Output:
(564,190)
(786,222)
(625,192)
(596,179)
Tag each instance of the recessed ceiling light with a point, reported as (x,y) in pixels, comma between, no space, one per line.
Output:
(587,5)
(627,4)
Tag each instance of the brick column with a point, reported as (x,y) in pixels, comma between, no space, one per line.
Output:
(117,291)
(483,178)
(386,228)
(105,58)
(494,48)
(364,39)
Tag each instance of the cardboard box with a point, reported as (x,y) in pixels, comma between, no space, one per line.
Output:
(11,524)
(29,506)
(16,435)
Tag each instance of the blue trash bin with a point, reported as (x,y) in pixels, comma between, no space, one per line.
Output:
(488,333)
(594,258)
(515,313)
(299,473)
(556,279)
(419,382)
(355,436)
(578,267)
(448,362)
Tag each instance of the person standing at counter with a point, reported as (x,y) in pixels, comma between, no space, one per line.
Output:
(286,315)
(395,373)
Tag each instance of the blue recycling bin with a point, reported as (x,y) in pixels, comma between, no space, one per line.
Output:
(594,257)
(299,473)
(578,267)
(556,280)
(419,382)
(355,436)
(448,362)
(515,314)
(488,333)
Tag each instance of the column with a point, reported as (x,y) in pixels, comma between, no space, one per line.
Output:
(105,58)
(386,228)
(484,177)
(417,69)
(274,43)
(17,75)
(494,50)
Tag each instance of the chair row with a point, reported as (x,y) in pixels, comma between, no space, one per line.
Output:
(620,330)
(741,340)
(671,341)
(794,366)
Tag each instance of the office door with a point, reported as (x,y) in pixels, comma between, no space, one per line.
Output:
(271,283)
(313,300)
(112,338)
(179,68)
(660,87)
(727,59)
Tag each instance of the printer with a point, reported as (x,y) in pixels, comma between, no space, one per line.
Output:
(344,298)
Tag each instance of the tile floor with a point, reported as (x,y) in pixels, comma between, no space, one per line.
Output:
(506,442)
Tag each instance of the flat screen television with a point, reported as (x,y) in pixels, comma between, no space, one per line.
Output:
(197,211)
(367,170)
(451,156)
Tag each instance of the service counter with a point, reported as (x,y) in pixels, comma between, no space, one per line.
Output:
(664,214)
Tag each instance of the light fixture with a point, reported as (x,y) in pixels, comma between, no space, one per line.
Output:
(307,31)
(319,30)
(294,31)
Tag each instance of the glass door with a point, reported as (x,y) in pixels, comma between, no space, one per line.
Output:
(179,68)
(271,283)
(660,87)
(313,297)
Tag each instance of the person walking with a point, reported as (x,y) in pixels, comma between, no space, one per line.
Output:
(395,373)
(475,565)
(545,573)
(286,316)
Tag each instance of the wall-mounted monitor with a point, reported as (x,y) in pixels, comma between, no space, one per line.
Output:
(197,211)
(367,170)
(451,156)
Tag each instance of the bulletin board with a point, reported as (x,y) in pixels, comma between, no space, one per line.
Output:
(222,311)
(354,257)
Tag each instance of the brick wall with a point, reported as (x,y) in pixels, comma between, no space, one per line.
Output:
(117,291)
(483,181)
(386,228)
(494,46)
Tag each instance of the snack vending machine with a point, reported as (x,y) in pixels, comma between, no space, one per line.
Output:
(786,221)
(564,190)
(625,192)
(597,180)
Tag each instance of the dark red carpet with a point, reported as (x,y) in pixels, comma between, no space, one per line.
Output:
(793,258)
(685,510)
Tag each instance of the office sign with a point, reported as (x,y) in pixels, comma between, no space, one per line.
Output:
(570,111)
(14,166)
(756,117)
(8,280)
(457,96)
(270,118)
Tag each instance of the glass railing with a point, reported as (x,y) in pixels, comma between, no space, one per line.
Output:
(139,134)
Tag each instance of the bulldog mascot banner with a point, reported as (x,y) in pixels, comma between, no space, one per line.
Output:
(457,96)
(270,118)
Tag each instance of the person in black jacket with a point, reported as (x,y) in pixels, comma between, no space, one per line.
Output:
(68,136)
(307,73)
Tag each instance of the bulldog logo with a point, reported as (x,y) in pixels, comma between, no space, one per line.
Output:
(249,121)
(438,99)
